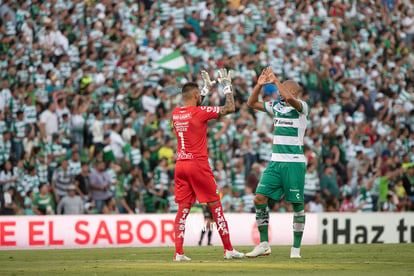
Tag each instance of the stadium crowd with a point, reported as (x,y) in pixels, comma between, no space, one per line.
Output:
(85,109)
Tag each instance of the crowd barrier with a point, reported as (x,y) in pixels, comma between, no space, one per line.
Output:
(87,231)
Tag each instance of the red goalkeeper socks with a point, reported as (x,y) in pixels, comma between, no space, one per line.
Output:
(179,226)
(221,223)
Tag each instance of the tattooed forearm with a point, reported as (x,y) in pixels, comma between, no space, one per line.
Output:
(228,107)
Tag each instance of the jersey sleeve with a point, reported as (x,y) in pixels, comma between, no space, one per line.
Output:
(206,113)
(305,109)
(268,107)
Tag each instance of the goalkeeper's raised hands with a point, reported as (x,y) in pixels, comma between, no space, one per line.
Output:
(224,78)
(208,83)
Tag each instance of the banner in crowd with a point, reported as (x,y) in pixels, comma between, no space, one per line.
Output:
(174,61)
(87,231)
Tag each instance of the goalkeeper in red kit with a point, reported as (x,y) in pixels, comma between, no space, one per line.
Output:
(193,176)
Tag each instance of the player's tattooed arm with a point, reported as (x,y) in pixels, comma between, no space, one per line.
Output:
(229,106)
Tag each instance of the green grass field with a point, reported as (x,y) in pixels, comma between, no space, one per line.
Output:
(375,259)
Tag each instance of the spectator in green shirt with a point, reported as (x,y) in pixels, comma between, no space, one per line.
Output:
(149,198)
(42,204)
(388,179)
(329,183)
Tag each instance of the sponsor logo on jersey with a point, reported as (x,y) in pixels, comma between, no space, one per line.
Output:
(181,126)
(182,116)
(184,155)
(281,122)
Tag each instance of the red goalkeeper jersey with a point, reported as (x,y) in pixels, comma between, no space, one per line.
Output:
(190,125)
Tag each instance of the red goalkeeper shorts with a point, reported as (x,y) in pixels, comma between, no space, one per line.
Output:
(194,179)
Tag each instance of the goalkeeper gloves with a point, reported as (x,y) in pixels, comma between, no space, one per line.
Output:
(225,80)
(208,84)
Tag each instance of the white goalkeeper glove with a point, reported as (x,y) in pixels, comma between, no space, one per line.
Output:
(225,80)
(208,84)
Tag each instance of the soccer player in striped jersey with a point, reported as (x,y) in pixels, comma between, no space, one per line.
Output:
(286,172)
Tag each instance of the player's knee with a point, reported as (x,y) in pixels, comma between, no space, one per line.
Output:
(212,203)
(260,199)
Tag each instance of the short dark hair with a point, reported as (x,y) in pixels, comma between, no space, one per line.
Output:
(188,88)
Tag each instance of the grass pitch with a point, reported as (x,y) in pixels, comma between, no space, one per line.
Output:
(373,259)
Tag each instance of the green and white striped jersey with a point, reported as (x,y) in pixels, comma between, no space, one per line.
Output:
(289,130)
(66,69)
(265,151)
(238,180)
(41,94)
(14,105)
(74,168)
(30,114)
(249,25)
(248,204)
(236,204)
(105,106)
(365,196)
(54,149)
(19,129)
(64,130)
(277,64)
(311,183)
(112,175)
(179,17)
(3,127)
(165,10)
(346,190)
(126,182)
(160,176)
(29,183)
(23,75)
(134,156)
(172,205)
(41,172)
(5,149)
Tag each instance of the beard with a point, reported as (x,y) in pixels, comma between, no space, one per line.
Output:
(199,101)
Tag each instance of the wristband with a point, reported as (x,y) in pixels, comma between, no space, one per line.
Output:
(204,91)
(228,89)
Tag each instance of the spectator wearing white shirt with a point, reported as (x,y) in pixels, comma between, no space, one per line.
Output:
(61,43)
(8,206)
(408,24)
(47,39)
(97,130)
(117,143)
(62,109)
(148,101)
(316,204)
(48,123)
(128,130)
